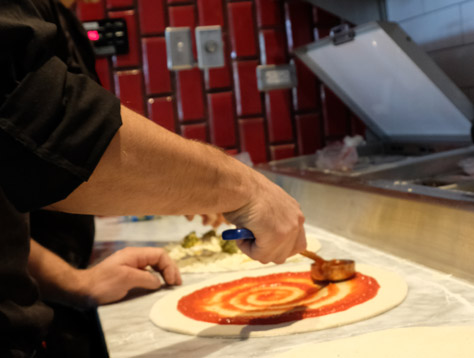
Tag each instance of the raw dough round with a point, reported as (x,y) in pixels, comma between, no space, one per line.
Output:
(164,313)
(413,342)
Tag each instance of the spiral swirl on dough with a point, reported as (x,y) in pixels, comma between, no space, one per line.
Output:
(275,298)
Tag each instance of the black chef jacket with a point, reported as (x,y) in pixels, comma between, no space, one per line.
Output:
(55,124)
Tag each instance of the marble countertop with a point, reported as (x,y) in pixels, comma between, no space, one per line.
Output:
(433,298)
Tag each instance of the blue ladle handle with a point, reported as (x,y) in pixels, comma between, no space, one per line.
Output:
(238,234)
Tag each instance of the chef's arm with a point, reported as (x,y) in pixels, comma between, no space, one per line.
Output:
(55,124)
(149,170)
(106,282)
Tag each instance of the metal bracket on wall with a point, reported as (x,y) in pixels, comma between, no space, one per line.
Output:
(342,34)
(210,49)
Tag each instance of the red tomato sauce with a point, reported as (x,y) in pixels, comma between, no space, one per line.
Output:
(275,298)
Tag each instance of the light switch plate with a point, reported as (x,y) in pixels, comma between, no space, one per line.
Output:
(179,50)
(271,77)
(210,49)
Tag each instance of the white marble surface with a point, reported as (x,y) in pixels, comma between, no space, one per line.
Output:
(433,299)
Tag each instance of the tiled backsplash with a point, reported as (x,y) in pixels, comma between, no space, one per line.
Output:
(445,29)
(223,106)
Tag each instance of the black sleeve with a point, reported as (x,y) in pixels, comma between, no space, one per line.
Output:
(54,125)
(24,319)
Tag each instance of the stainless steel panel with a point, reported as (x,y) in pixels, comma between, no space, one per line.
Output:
(356,11)
(438,233)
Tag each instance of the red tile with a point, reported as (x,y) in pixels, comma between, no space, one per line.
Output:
(278,106)
(252,139)
(282,151)
(133,57)
(306,93)
(152,16)
(357,126)
(315,14)
(102,68)
(128,87)
(161,111)
(299,23)
(246,90)
(177,1)
(335,114)
(219,77)
(157,76)
(194,131)
(309,134)
(221,118)
(269,12)
(210,12)
(190,95)
(242,30)
(113,4)
(272,47)
(184,16)
(87,11)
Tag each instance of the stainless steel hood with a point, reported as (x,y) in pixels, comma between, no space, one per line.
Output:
(391,84)
(355,11)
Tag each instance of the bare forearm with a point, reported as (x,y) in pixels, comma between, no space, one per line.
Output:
(58,281)
(149,170)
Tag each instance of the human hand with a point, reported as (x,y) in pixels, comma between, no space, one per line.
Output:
(111,279)
(276,221)
(215,220)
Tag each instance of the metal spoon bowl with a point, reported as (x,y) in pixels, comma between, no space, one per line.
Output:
(332,270)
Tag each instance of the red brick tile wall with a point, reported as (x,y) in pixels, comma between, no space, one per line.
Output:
(223,106)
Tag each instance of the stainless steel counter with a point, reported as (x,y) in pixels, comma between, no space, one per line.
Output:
(428,225)
(434,298)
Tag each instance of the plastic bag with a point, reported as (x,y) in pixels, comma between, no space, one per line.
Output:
(467,165)
(339,156)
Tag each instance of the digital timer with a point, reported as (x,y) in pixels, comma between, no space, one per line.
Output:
(108,36)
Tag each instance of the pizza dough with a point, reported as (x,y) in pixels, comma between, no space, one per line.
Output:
(210,258)
(165,315)
(413,342)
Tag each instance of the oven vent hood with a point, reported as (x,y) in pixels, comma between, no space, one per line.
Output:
(391,84)
(355,11)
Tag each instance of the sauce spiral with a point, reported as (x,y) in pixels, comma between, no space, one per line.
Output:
(275,298)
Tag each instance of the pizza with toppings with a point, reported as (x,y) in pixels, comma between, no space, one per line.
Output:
(210,253)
